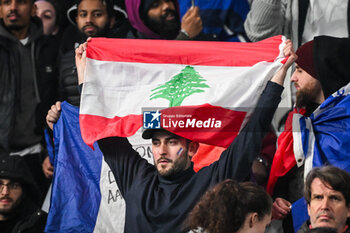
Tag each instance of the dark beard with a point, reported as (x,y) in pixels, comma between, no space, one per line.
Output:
(165,28)
(178,166)
(14,210)
(305,98)
(14,27)
(101,32)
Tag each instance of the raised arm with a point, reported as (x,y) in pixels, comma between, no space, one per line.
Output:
(292,57)
(236,161)
(80,60)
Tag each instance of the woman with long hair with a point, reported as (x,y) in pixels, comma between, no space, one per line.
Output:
(231,207)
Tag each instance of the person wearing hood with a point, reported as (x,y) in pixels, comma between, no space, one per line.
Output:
(88,18)
(160,19)
(94,18)
(28,83)
(19,197)
(321,70)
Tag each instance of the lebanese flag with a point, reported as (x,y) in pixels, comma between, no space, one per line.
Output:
(284,158)
(204,91)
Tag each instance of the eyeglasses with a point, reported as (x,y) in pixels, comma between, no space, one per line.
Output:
(10,186)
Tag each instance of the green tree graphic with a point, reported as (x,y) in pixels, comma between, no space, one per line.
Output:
(180,86)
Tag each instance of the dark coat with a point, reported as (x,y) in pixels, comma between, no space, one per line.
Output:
(68,78)
(306,227)
(44,57)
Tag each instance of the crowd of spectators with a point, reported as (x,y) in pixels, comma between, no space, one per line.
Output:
(39,43)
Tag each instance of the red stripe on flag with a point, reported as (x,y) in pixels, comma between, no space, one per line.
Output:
(284,159)
(204,115)
(97,127)
(206,53)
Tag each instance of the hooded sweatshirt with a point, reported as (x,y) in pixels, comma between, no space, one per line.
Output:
(137,11)
(26,217)
(332,59)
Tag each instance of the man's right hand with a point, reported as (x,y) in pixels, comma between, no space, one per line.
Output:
(53,114)
(192,22)
(280,208)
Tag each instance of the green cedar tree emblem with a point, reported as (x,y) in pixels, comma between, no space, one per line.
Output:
(180,86)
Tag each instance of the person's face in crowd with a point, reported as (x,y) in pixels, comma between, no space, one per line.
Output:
(92,18)
(10,196)
(308,88)
(47,13)
(16,13)
(163,19)
(327,207)
(171,153)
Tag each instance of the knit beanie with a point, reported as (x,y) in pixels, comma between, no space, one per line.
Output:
(306,59)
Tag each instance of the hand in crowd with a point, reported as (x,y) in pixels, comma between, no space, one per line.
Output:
(289,52)
(53,114)
(80,60)
(47,167)
(280,208)
(192,22)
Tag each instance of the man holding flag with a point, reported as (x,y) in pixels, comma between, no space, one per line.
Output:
(159,197)
(321,70)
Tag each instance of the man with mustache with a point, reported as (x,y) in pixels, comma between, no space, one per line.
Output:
(158,197)
(160,19)
(327,193)
(321,70)
(28,83)
(93,18)
(89,18)
(19,197)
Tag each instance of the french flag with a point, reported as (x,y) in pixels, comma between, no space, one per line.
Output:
(207,80)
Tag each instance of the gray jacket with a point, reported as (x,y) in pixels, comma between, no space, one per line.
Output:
(272,17)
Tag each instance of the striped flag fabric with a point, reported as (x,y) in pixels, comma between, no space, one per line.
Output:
(124,76)
(322,139)
(204,91)
(84,196)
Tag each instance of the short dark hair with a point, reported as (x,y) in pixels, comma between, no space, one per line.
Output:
(109,7)
(225,207)
(334,177)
